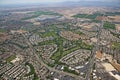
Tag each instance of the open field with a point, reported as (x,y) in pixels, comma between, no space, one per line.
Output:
(9,59)
(114,18)
(117,66)
(39,13)
(88,16)
(118,27)
(108,67)
(109,25)
(69,35)
(4,36)
(68,13)
(99,55)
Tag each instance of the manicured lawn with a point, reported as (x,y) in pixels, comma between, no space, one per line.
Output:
(60,53)
(56,56)
(70,50)
(32,71)
(86,46)
(9,59)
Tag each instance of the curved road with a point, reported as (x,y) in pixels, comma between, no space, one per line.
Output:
(33,53)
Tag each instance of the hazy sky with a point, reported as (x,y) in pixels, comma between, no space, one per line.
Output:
(4,2)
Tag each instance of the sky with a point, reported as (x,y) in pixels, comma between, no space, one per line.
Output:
(6,2)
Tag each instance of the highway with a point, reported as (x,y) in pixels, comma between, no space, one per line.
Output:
(95,49)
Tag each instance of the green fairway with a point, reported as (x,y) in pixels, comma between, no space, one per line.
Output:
(32,71)
(60,53)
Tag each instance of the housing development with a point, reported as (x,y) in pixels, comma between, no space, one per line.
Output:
(60,43)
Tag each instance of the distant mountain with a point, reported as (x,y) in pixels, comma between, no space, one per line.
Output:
(93,3)
(112,3)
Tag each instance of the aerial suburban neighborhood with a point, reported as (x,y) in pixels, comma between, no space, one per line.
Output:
(60,43)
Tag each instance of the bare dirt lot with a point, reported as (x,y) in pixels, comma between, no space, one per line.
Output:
(83,10)
(118,27)
(115,18)
(3,37)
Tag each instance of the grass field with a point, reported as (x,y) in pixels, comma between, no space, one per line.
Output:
(88,16)
(116,45)
(32,71)
(109,25)
(80,15)
(60,53)
(9,59)
(3,30)
(48,34)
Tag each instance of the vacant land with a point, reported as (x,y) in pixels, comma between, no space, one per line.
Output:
(69,35)
(114,18)
(3,36)
(117,66)
(99,55)
(88,16)
(108,67)
(39,13)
